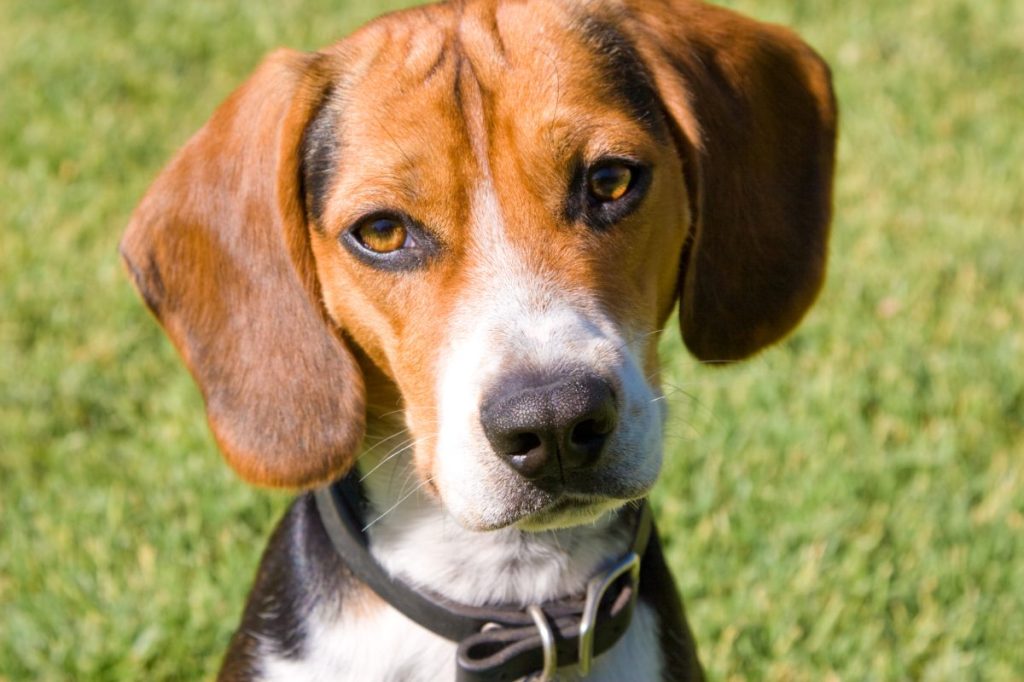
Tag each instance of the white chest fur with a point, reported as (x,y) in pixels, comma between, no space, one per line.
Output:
(419,542)
(384,646)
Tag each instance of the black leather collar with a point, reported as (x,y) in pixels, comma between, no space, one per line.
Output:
(497,643)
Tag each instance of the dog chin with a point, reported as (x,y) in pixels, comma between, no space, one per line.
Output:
(568,511)
(512,502)
(544,514)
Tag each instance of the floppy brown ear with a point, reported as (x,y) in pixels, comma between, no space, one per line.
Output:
(755,118)
(219,250)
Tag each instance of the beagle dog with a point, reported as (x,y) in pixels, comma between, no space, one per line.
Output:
(433,261)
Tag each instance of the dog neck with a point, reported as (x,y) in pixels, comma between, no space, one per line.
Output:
(415,539)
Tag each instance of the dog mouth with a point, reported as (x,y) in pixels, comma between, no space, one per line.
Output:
(551,504)
(568,510)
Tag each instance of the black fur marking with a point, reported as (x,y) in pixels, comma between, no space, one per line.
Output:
(299,571)
(319,152)
(627,77)
(658,590)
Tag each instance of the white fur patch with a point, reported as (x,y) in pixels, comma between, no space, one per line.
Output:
(383,645)
(418,541)
(387,647)
(516,317)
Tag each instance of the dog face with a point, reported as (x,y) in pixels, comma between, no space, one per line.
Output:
(498,260)
(497,205)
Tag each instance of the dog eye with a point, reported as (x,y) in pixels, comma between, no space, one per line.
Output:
(390,240)
(603,193)
(609,182)
(381,235)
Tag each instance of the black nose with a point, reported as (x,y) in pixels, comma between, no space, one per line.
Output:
(550,429)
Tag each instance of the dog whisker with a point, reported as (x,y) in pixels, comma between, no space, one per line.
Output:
(401,499)
(385,415)
(379,443)
(402,448)
(410,474)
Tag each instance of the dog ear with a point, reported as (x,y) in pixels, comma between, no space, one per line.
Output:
(219,250)
(753,113)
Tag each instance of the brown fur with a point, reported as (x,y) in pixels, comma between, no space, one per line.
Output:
(432,104)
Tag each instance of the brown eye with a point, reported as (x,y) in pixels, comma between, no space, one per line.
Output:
(381,235)
(609,182)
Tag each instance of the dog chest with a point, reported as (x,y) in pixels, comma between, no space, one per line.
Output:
(386,646)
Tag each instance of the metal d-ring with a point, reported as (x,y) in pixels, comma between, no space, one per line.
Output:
(596,588)
(547,638)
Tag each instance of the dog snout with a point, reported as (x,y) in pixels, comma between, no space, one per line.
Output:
(548,430)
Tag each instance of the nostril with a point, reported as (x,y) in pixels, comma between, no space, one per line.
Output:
(590,433)
(526,453)
(521,443)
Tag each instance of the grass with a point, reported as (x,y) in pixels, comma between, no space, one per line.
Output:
(848,505)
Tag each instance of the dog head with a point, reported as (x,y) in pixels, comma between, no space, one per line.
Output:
(489,210)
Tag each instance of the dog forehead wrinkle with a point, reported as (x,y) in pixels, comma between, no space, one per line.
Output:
(468,94)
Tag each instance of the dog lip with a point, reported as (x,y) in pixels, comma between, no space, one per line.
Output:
(555,508)
(569,502)
(568,510)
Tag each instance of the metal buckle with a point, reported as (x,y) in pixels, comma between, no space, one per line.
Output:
(547,638)
(596,588)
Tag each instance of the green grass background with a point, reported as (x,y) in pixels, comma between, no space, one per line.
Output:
(848,505)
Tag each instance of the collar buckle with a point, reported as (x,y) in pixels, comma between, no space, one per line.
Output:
(596,589)
(547,638)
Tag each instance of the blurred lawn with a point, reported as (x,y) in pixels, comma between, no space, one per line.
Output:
(849,505)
